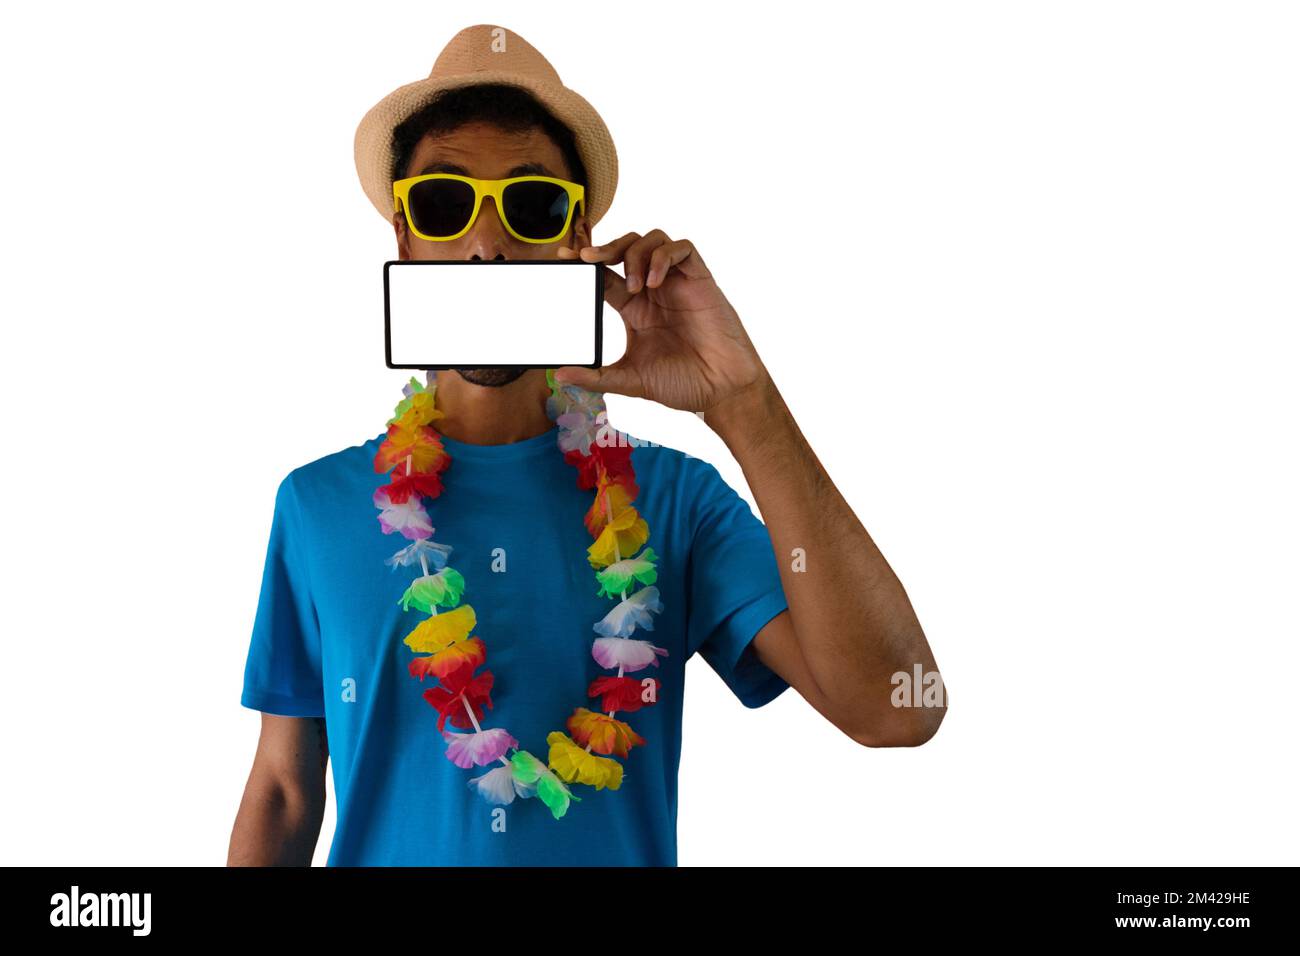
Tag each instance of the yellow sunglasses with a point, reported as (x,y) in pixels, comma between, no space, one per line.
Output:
(443,206)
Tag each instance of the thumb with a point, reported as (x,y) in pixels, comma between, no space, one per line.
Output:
(616,378)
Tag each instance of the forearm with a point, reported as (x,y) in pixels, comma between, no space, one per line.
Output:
(275,827)
(854,624)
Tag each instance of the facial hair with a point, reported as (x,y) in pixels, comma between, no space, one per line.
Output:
(490,377)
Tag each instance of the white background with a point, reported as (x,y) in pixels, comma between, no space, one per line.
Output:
(1026,273)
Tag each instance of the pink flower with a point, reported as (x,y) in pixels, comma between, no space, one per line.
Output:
(409,517)
(468,750)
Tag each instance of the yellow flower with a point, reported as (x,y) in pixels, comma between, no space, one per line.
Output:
(436,633)
(420,411)
(627,532)
(572,764)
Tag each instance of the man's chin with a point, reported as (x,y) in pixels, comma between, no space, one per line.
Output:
(490,377)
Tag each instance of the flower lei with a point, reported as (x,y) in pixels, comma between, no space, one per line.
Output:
(414,454)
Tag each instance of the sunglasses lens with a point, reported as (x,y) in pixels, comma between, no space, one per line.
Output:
(536,210)
(440,207)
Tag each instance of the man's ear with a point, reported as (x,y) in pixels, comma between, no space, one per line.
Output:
(403,237)
(581,234)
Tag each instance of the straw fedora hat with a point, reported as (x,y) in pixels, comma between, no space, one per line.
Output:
(486,53)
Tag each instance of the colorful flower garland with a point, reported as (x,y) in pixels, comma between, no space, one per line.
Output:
(453,657)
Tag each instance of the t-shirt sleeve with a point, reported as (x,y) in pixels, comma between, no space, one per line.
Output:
(283,671)
(735,589)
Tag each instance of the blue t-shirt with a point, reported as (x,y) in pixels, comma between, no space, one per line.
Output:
(328,642)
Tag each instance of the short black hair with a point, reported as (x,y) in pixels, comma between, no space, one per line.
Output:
(509,108)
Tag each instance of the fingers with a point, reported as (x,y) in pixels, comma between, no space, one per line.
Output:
(636,258)
(617,378)
(616,293)
(610,252)
(633,250)
(647,259)
(682,254)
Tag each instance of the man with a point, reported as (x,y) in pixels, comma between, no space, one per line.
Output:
(805,602)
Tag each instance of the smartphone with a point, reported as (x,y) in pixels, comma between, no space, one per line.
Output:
(518,313)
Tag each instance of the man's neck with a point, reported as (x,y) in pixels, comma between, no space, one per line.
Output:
(480,415)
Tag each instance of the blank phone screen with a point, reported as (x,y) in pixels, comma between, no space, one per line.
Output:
(470,314)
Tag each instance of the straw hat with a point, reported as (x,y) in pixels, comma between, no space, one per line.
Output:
(485,53)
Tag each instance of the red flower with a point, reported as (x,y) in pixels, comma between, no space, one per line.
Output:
(614,460)
(402,486)
(620,693)
(450,702)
